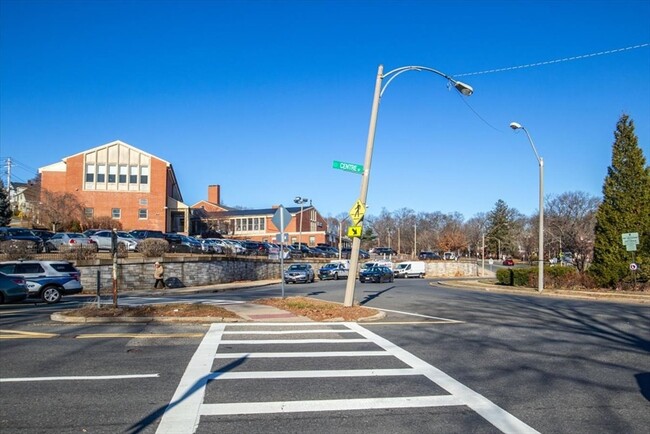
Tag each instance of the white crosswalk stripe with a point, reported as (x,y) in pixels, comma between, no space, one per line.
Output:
(184,412)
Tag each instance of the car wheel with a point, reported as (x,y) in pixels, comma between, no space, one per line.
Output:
(336,276)
(51,294)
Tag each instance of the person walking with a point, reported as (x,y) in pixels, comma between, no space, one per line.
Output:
(159,275)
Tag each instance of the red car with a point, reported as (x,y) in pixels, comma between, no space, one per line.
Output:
(508,262)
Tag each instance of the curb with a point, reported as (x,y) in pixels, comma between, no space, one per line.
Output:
(583,295)
(140,320)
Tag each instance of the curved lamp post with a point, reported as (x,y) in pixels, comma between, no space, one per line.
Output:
(540,281)
(463,88)
(300,201)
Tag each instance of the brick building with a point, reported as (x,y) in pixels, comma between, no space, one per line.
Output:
(125,183)
(210,216)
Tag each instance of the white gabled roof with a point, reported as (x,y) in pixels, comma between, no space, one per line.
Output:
(55,167)
(60,166)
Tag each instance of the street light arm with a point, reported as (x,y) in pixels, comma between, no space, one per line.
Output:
(463,88)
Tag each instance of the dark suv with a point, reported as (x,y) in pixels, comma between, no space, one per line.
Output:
(20,234)
(142,234)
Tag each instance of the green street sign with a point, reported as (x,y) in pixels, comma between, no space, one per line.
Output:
(348,167)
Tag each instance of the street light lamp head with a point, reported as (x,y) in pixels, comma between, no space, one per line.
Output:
(463,88)
(515,125)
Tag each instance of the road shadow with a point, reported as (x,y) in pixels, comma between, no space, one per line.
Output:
(201,383)
(643,380)
(371,297)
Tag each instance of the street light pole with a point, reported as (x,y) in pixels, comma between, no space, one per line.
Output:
(365,178)
(540,160)
(301,201)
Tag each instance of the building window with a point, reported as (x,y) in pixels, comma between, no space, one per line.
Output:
(262,223)
(133,175)
(123,172)
(90,173)
(144,202)
(116,213)
(101,173)
(250,224)
(112,174)
(144,175)
(89,213)
(312,241)
(142,214)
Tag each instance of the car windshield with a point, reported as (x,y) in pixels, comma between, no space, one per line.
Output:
(297,267)
(76,235)
(327,266)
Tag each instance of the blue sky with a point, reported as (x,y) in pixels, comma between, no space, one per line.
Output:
(261,96)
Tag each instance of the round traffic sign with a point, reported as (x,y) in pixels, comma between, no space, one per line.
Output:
(633,266)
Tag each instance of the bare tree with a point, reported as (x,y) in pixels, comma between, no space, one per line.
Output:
(570,220)
(59,211)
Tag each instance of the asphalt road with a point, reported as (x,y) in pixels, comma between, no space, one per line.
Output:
(554,365)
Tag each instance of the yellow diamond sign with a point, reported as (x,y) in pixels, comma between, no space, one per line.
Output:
(357,212)
(354,231)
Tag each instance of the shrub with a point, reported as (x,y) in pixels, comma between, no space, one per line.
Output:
(153,247)
(18,249)
(516,276)
(79,253)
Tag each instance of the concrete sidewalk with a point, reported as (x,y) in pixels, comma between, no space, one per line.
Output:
(249,312)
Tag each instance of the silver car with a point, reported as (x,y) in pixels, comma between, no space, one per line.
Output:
(299,273)
(70,240)
(104,240)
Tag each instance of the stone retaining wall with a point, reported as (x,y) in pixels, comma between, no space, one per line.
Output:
(137,274)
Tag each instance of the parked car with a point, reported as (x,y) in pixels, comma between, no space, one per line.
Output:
(324,252)
(209,245)
(47,280)
(299,273)
(449,256)
(347,251)
(235,246)
(143,234)
(425,255)
(292,252)
(508,262)
(333,270)
(71,240)
(21,234)
(183,244)
(377,274)
(410,269)
(42,234)
(104,240)
(89,232)
(383,251)
(12,288)
(254,248)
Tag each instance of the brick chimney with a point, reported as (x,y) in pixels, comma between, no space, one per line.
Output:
(214,194)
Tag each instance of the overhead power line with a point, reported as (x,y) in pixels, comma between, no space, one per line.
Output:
(549,62)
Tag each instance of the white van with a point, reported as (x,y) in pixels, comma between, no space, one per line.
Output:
(410,269)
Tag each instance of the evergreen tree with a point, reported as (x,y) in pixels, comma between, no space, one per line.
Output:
(5,206)
(499,226)
(625,208)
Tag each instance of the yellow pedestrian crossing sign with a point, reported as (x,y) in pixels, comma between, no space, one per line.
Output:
(354,231)
(357,212)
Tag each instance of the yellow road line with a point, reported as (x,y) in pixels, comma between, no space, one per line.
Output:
(18,334)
